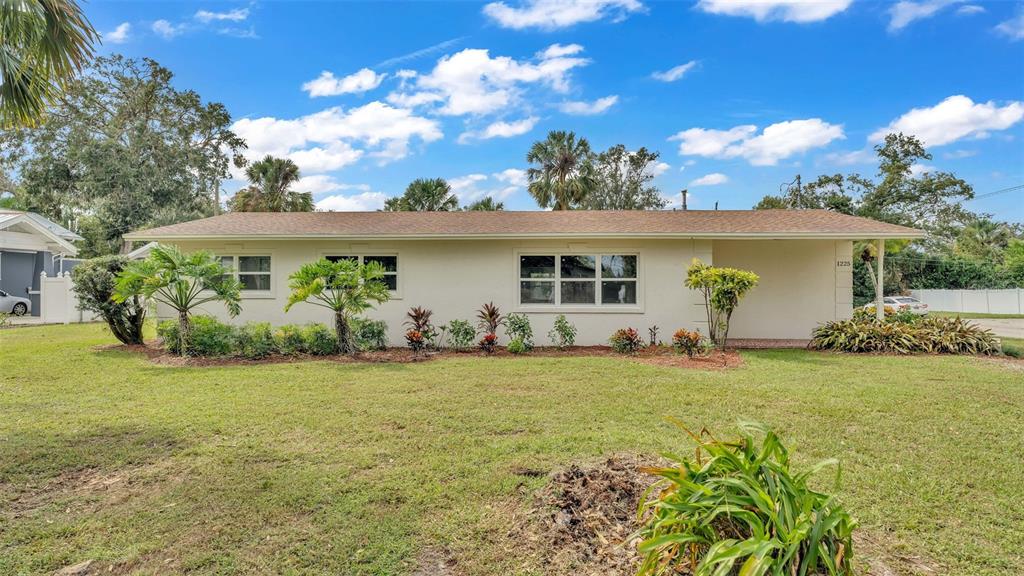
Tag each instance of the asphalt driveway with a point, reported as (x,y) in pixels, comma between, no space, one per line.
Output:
(1007,327)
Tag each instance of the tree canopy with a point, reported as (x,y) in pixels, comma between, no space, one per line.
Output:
(269,189)
(625,181)
(485,204)
(562,172)
(122,149)
(424,195)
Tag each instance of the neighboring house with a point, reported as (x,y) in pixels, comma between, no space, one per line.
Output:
(603,269)
(30,245)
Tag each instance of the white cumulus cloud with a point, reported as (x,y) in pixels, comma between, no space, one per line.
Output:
(599,106)
(712,179)
(500,129)
(500,185)
(335,137)
(236,15)
(786,10)
(970,9)
(1012,28)
(954,118)
(675,73)
(903,13)
(776,142)
(118,35)
(555,14)
(328,85)
(166,30)
(471,81)
(362,202)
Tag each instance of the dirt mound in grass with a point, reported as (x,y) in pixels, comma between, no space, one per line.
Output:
(582,521)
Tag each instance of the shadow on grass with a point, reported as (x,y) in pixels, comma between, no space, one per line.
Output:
(795,356)
(35,456)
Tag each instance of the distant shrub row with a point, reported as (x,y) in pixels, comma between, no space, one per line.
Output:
(211,338)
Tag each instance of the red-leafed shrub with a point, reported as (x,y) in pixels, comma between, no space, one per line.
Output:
(414,338)
(489,342)
(626,341)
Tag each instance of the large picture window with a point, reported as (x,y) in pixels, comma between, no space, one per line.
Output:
(390,264)
(253,272)
(578,279)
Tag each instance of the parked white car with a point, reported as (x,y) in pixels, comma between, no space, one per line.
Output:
(898,303)
(14,305)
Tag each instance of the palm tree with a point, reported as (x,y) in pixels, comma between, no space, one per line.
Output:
(984,238)
(424,195)
(485,204)
(565,174)
(345,287)
(269,189)
(43,45)
(182,282)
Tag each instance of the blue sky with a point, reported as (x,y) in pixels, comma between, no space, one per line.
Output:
(737,95)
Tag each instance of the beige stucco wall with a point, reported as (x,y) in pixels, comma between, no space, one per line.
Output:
(803,283)
(453,278)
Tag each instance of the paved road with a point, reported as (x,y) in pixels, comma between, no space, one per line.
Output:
(1008,327)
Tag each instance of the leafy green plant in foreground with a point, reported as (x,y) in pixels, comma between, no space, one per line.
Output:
(736,507)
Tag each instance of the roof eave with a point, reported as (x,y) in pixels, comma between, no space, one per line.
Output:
(909,235)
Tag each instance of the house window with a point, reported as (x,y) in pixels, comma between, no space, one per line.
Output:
(253,272)
(578,279)
(390,264)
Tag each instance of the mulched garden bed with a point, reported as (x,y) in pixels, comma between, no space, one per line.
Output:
(659,356)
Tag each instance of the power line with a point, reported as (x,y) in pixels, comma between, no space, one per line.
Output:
(1003,191)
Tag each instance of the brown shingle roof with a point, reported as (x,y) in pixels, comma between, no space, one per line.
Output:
(581,223)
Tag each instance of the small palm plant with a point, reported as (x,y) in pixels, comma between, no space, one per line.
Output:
(345,287)
(489,317)
(739,503)
(182,282)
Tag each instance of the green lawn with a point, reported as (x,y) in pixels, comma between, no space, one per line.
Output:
(325,468)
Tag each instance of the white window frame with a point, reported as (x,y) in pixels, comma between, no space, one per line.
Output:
(597,307)
(234,272)
(362,255)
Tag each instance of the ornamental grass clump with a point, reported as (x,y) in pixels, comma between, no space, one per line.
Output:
(737,508)
(925,336)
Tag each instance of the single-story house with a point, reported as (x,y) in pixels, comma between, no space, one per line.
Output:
(603,269)
(30,245)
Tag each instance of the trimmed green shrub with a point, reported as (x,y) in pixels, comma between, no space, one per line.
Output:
(209,337)
(320,340)
(516,346)
(738,508)
(255,340)
(517,327)
(290,339)
(461,333)
(370,334)
(563,334)
(927,335)
(626,341)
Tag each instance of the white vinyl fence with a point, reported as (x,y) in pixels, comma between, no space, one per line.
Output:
(1008,301)
(58,303)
